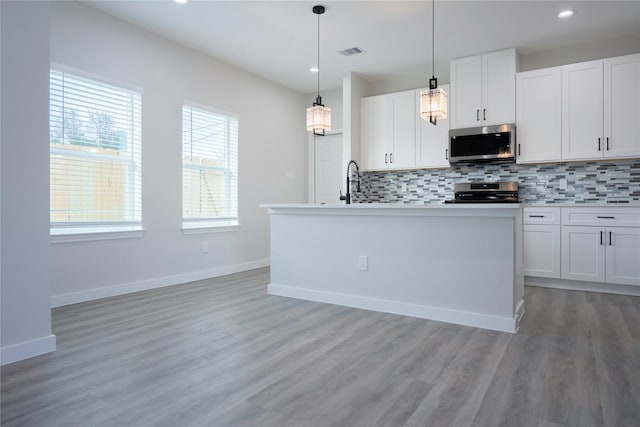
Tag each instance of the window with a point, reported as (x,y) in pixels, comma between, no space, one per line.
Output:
(209,168)
(95,160)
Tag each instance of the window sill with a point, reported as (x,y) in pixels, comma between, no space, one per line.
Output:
(89,234)
(189,229)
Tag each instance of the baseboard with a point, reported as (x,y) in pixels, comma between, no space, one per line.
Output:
(27,349)
(577,285)
(519,313)
(497,323)
(159,282)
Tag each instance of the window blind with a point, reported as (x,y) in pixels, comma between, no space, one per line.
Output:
(95,154)
(209,168)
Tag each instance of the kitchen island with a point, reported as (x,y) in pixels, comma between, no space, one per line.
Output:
(458,263)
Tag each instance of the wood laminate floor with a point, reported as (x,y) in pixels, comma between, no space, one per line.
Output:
(221,352)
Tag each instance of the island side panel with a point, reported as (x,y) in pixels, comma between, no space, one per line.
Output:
(428,266)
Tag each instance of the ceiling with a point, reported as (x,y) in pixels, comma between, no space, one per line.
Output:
(277,40)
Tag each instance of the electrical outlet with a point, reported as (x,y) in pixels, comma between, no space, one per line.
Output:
(205,247)
(563,184)
(363,263)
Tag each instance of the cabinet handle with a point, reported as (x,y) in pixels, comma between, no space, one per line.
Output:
(519,150)
(610,239)
(446,154)
(484,114)
(536,216)
(599,146)
(607,143)
(606,217)
(477,115)
(601,238)
(390,157)
(386,156)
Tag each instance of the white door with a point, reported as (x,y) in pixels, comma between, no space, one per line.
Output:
(538,113)
(623,255)
(403,154)
(542,250)
(466,92)
(498,88)
(582,116)
(376,134)
(328,168)
(432,142)
(583,253)
(622,106)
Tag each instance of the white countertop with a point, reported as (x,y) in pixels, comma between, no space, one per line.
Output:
(580,205)
(365,206)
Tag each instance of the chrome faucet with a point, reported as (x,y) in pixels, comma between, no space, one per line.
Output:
(347,196)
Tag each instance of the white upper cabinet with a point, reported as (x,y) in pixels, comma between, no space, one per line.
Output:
(582,95)
(483,89)
(601,109)
(622,106)
(388,131)
(432,142)
(538,115)
(466,92)
(403,154)
(376,131)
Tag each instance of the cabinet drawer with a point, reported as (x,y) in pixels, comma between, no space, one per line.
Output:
(541,215)
(615,216)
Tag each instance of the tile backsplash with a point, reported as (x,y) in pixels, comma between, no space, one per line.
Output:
(587,182)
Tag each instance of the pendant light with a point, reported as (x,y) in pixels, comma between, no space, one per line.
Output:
(318,116)
(433,102)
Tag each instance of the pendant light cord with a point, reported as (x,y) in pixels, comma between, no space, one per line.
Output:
(318,55)
(433,38)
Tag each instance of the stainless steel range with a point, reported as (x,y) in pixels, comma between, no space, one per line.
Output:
(485,192)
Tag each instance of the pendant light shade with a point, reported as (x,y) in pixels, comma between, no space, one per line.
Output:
(318,116)
(433,102)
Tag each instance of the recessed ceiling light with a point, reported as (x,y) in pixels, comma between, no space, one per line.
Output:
(314,69)
(567,13)
(180,1)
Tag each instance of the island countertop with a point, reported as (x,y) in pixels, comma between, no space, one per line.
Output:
(400,209)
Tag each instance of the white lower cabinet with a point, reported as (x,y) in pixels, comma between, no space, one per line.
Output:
(601,254)
(583,253)
(592,244)
(623,256)
(597,249)
(541,239)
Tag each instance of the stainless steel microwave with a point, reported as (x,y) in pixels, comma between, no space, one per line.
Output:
(483,144)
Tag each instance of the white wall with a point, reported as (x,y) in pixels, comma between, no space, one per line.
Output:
(25,318)
(272,167)
(580,53)
(405,80)
(354,88)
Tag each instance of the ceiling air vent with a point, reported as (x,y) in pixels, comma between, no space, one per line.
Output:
(351,51)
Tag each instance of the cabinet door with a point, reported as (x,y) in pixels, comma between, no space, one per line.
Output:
(583,253)
(538,115)
(623,255)
(498,88)
(403,154)
(376,133)
(466,92)
(622,106)
(432,142)
(542,250)
(582,119)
